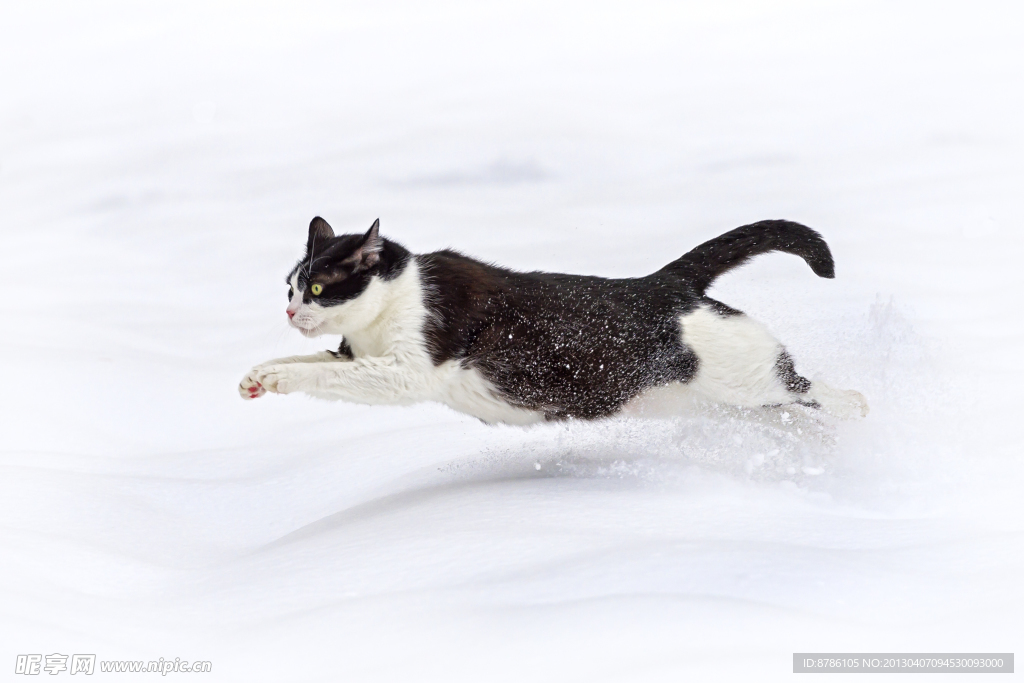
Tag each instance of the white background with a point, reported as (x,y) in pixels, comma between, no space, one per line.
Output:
(159,164)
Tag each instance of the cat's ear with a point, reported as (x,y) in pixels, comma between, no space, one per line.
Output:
(371,240)
(319,233)
(367,254)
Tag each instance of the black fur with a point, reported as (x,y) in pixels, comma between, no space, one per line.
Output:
(787,373)
(344,351)
(566,345)
(701,265)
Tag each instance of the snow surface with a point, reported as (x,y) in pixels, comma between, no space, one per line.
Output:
(159,164)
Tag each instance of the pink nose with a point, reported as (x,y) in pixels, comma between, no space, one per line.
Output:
(291,314)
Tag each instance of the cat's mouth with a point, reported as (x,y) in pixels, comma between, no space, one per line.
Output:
(307,327)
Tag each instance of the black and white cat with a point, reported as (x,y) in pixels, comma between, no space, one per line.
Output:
(520,348)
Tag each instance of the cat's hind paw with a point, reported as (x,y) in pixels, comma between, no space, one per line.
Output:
(858,404)
(845,404)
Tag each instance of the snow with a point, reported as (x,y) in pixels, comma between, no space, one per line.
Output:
(159,164)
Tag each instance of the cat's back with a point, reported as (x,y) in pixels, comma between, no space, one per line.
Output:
(477,304)
(449,274)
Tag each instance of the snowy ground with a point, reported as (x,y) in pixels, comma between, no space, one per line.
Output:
(159,164)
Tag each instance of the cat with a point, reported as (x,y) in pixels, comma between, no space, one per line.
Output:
(520,348)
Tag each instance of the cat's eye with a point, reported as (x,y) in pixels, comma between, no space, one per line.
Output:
(316,289)
(291,293)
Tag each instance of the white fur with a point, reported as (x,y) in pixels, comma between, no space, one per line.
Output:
(384,328)
(467,391)
(736,359)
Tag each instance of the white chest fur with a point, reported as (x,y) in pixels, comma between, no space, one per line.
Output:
(386,320)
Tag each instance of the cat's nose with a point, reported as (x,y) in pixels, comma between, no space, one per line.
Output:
(291,314)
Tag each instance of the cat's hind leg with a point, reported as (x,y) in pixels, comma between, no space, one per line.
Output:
(739,362)
(842,403)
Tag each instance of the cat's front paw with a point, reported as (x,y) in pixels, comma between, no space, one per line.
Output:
(250,388)
(279,379)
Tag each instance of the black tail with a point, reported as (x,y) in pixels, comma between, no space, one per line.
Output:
(702,265)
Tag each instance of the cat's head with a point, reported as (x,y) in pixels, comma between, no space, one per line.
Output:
(334,281)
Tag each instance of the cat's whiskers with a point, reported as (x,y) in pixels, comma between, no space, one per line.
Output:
(316,328)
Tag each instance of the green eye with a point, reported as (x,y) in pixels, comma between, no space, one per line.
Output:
(316,289)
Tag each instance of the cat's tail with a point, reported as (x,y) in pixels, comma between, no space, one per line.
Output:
(703,264)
